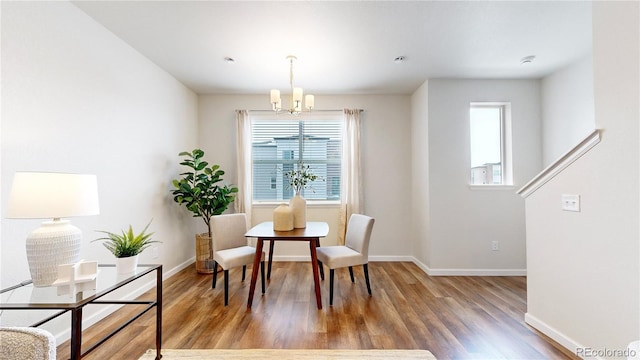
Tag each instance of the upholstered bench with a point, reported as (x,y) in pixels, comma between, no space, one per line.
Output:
(26,343)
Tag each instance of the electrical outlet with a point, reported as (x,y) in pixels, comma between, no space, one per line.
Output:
(155,252)
(571,202)
(495,245)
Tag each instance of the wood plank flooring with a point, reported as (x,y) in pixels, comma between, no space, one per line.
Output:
(453,317)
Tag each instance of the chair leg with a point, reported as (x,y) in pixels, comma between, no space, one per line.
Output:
(215,275)
(244,271)
(351,274)
(271,246)
(262,274)
(331,272)
(321,268)
(366,276)
(226,287)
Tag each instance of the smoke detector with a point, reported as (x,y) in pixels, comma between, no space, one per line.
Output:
(399,59)
(527,59)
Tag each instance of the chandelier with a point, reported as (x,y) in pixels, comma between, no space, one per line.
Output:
(295,104)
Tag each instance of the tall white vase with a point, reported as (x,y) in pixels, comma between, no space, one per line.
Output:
(299,206)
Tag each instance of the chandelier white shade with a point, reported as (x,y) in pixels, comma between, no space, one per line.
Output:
(295,103)
(43,195)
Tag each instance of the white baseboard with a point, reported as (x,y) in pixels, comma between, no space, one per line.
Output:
(426,269)
(298,258)
(477,272)
(468,272)
(107,310)
(554,334)
(391,258)
(291,258)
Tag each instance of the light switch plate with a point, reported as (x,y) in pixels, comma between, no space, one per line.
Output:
(571,202)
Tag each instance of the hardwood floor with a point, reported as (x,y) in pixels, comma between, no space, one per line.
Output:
(453,317)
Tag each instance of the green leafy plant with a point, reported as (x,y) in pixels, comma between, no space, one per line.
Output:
(128,243)
(199,190)
(301,177)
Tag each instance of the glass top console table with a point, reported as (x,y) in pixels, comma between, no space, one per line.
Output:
(25,296)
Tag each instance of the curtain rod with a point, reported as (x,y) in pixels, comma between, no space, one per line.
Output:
(284,111)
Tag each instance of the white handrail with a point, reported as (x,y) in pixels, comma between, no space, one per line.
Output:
(557,166)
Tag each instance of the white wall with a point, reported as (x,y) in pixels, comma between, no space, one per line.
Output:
(420,175)
(75,98)
(386,158)
(463,222)
(583,268)
(567,109)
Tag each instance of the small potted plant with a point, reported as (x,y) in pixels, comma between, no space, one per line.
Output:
(126,247)
(200,192)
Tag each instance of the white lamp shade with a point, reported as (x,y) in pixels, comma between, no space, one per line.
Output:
(45,195)
(275,96)
(309,101)
(297,94)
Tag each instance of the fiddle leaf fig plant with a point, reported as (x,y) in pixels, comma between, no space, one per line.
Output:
(199,189)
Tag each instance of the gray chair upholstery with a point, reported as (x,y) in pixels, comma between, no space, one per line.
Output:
(230,248)
(26,343)
(354,252)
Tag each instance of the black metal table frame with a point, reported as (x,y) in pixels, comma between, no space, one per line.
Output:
(76,312)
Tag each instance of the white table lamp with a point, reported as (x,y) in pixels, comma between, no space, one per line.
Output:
(43,195)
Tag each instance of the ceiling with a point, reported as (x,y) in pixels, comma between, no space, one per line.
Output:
(347,47)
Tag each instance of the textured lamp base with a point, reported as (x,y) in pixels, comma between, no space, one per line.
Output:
(53,243)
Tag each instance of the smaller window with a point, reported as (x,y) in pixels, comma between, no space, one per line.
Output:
(490,143)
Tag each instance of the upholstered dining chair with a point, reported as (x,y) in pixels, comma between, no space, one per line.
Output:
(26,343)
(230,248)
(354,252)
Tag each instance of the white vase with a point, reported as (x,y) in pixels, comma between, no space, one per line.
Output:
(127,265)
(283,218)
(299,206)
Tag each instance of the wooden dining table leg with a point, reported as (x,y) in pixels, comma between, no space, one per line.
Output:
(254,271)
(314,265)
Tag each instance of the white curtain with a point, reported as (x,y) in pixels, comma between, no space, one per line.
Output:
(352,202)
(244,198)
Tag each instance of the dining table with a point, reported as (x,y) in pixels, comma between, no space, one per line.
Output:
(312,233)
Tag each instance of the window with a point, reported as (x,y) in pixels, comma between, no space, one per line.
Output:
(279,144)
(490,143)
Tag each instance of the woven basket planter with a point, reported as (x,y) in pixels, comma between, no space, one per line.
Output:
(204,254)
